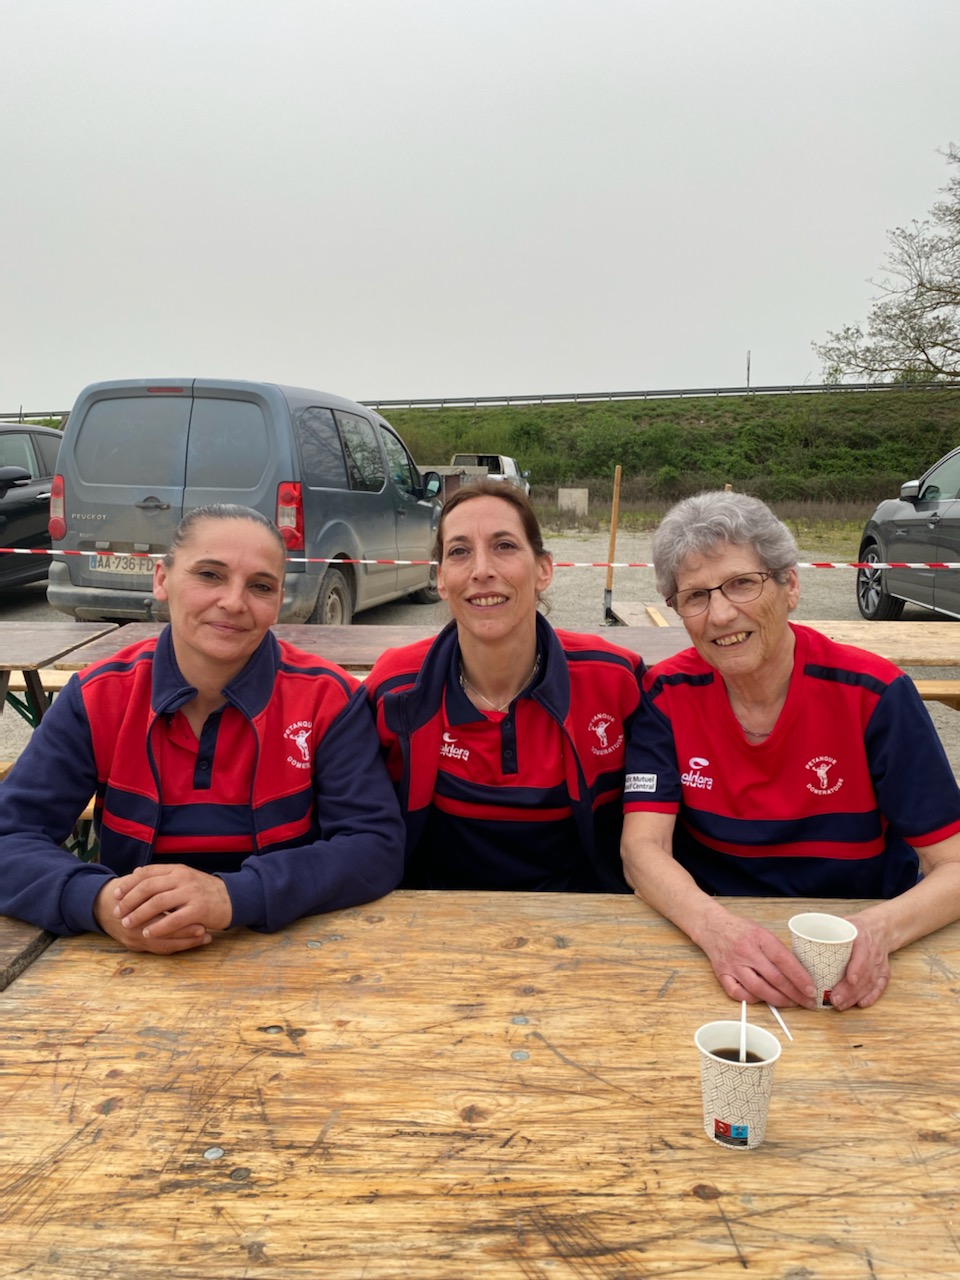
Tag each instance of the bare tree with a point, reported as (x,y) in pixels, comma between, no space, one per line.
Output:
(913,327)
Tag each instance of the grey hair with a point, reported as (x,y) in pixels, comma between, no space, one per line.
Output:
(698,525)
(220,511)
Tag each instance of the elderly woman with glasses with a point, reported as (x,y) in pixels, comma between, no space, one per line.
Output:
(768,760)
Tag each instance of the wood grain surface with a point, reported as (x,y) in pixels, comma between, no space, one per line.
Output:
(463,1085)
(357,647)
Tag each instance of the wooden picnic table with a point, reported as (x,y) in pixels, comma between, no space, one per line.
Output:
(357,647)
(908,644)
(25,647)
(463,1085)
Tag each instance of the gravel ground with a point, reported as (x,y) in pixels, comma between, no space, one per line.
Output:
(577,603)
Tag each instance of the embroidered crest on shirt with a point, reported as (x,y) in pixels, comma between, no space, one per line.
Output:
(607,741)
(450,749)
(825,785)
(299,734)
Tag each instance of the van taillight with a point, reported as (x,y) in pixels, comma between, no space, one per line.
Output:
(56,525)
(290,515)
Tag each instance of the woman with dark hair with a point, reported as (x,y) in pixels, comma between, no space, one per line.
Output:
(505,738)
(238,780)
(769,760)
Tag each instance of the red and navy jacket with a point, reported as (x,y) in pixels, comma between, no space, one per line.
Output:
(321,819)
(589,687)
(834,804)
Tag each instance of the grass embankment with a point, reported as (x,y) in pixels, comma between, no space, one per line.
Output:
(845,449)
(821,459)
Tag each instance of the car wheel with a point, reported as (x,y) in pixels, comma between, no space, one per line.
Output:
(873,602)
(428,594)
(334,607)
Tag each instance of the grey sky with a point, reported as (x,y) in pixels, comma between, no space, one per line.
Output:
(456,197)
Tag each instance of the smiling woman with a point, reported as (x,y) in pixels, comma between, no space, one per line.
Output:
(768,759)
(505,737)
(238,780)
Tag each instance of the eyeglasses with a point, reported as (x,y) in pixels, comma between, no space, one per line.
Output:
(739,590)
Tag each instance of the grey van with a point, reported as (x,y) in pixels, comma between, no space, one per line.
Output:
(334,476)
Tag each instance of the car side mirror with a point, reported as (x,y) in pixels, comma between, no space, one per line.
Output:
(432,484)
(910,491)
(13,477)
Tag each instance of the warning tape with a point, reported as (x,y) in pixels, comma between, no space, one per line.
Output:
(557,564)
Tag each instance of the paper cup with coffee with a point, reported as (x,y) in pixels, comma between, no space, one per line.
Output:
(822,943)
(736,1095)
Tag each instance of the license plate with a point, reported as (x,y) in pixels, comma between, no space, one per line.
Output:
(122,564)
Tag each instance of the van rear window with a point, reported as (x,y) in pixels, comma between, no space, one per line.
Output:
(122,440)
(229,448)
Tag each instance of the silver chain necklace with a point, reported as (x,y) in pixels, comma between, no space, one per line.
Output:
(465,685)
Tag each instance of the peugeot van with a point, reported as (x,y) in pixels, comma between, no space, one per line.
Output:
(358,518)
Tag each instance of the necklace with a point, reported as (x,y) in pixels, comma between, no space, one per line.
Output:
(752,733)
(465,685)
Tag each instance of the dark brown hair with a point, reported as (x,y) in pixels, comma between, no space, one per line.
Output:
(506,493)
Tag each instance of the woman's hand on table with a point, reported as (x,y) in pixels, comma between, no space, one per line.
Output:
(868,970)
(164,908)
(752,964)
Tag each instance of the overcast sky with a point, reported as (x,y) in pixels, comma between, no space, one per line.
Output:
(386,198)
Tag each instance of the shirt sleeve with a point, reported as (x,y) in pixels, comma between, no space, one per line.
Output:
(40,800)
(652,782)
(916,790)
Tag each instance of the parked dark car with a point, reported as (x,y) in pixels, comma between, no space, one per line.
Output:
(922,526)
(357,516)
(28,461)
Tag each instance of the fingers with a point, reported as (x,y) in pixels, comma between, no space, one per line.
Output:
(753,964)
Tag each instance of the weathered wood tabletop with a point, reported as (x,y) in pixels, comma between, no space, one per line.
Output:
(908,644)
(20,944)
(27,646)
(357,647)
(463,1086)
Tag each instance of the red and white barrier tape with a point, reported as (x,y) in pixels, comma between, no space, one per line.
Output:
(557,564)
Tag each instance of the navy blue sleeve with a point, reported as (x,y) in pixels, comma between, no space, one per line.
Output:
(916,790)
(652,775)
(40,800)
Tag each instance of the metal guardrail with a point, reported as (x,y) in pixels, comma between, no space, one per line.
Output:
(575,397)
(446,402)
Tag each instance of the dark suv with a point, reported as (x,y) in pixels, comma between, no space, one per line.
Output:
(28,461)
(921,527)
(358,518)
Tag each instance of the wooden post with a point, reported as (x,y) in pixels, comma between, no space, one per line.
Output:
(614,519)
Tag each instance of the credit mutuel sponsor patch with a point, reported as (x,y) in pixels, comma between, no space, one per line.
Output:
(640,782)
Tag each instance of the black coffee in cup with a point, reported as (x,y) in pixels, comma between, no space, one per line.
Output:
(733,1055)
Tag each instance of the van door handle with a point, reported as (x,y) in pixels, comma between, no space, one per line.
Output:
(43,497)
(152,504)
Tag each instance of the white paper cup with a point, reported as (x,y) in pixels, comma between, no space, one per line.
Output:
(822,943)
(736,1095)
